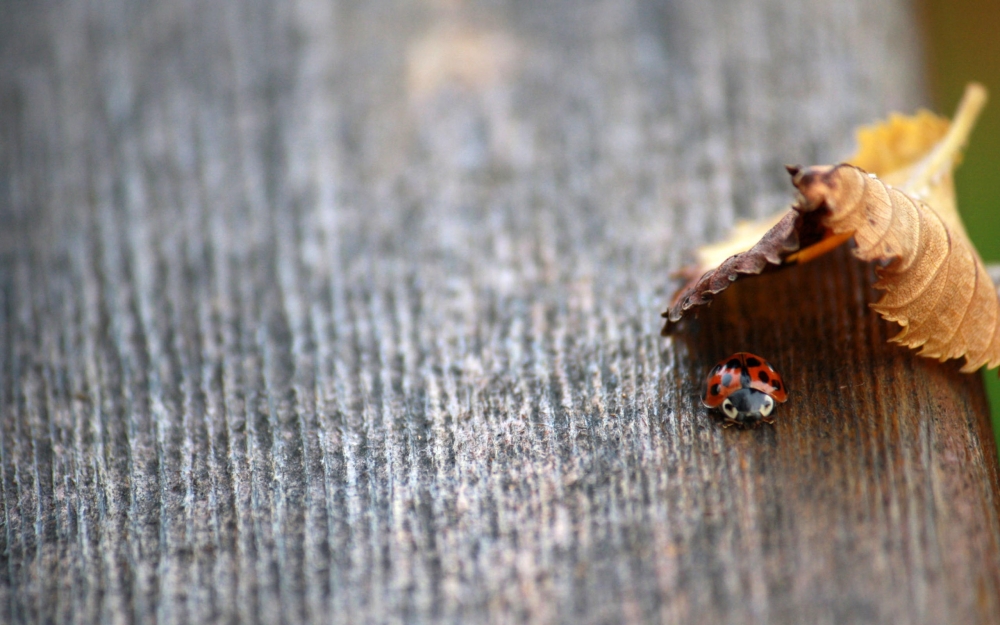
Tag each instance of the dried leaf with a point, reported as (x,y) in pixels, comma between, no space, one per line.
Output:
(896,200)
(936,285)
(781,238)
(744,236)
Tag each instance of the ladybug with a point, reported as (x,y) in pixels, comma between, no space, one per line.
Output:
(745,387)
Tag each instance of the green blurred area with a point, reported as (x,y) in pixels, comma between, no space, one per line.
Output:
(963,45)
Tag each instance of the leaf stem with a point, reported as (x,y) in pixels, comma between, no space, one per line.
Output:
(940,160)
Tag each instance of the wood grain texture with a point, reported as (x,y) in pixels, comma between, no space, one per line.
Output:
(302,320)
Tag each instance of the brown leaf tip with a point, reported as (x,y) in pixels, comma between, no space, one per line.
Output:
(814,184)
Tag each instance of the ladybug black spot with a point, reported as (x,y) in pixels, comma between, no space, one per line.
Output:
(753,362)
(733,364)
(763,376)
(776,384)
(727,379)
(715,389)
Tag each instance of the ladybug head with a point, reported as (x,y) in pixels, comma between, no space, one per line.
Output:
(748,405)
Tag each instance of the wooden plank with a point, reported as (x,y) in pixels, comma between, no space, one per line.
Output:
(349,312)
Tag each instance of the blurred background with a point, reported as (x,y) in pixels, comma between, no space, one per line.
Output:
(962,46)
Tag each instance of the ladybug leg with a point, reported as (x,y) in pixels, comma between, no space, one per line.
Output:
(728,423)
(768,420)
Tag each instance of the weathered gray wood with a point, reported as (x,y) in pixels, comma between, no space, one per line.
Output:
(302,319)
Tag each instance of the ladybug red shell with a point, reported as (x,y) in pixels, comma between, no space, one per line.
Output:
(745,387)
